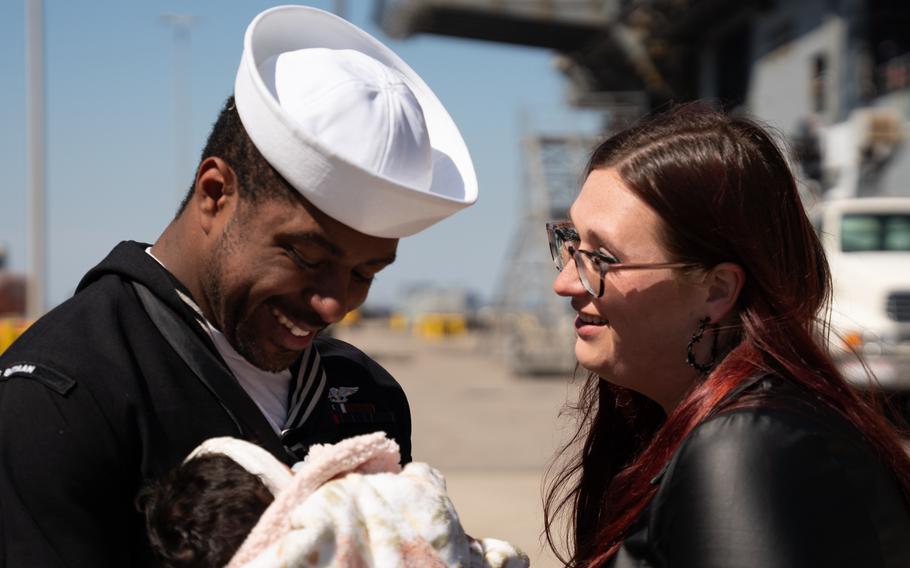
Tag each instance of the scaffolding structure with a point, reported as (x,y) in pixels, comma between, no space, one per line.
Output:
(535,325)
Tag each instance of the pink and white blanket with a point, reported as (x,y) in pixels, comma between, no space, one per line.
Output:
(351,504)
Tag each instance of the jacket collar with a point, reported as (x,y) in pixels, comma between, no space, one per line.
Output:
(129,261)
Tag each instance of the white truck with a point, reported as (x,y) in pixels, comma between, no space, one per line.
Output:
(867,241)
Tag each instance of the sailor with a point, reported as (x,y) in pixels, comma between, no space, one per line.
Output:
(329,151)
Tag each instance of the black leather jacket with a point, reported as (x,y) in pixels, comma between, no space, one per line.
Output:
(784,485)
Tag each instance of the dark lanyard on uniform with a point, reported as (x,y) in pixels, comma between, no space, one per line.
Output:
(196,356)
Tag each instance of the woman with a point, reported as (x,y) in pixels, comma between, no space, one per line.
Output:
(715,429)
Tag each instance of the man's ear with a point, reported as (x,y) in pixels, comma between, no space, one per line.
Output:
(724,284)
(215,194)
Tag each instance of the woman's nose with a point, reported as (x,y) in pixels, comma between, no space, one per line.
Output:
(567,282)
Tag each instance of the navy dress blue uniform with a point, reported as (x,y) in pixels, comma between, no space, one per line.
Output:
(95,401)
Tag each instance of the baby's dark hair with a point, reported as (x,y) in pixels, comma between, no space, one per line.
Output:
(199,513)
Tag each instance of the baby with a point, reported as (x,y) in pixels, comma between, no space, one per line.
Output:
(349,504)
(199,514)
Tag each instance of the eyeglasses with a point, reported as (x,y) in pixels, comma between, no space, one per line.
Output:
(591,265)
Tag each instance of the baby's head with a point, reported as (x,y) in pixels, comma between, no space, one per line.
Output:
(199,513)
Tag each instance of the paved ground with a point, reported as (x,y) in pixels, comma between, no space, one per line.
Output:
(490,433)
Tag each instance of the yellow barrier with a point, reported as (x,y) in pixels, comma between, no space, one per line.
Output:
(398,322)
(437,326)
(10,330)
(351,318)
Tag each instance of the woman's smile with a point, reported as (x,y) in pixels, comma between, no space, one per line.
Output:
(587,326)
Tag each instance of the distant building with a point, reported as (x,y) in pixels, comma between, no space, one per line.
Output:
(832,76)
(12,289)
(812,68)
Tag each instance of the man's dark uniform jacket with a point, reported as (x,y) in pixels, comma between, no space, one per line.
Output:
(94,402)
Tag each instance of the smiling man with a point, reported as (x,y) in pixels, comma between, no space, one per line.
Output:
(330,150)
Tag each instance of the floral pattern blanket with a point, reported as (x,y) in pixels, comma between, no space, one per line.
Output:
(351,504)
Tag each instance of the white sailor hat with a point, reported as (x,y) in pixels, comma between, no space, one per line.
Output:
(349,124)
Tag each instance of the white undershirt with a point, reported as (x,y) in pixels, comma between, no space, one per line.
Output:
(268,390)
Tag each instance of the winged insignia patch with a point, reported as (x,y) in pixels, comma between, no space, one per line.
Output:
(339,395)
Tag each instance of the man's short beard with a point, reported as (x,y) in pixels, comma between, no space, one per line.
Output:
(246,345)
(234,325)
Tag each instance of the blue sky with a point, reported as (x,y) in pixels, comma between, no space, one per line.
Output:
(111,168)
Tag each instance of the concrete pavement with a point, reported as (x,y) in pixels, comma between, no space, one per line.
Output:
(490,433)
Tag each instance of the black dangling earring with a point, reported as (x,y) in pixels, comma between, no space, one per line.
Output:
(705,368)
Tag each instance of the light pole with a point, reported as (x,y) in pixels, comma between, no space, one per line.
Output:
(181,25)
(340,8)
(35,152)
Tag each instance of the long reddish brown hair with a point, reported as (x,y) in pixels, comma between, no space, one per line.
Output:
(725,193)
